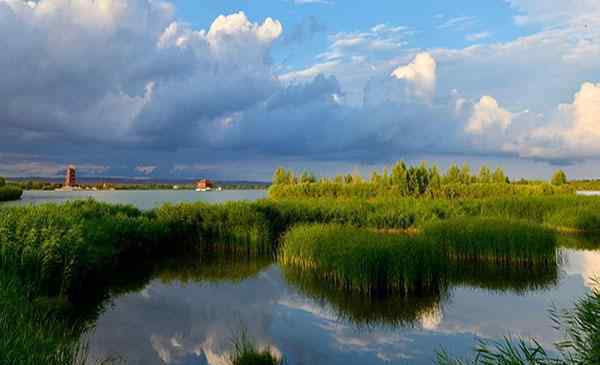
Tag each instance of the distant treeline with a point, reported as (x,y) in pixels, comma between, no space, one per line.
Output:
(413,181)
(48,185)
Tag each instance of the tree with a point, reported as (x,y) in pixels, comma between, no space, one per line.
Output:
(452,175)
(2,181)
(308,177)
(282,177)
(485,175)
(500,177)
(435,178)
(559,178)
(375,178)
(464,176)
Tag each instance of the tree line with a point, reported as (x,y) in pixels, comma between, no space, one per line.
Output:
(412,180)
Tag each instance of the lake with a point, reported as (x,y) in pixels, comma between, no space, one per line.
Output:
(143,199)
(188,315)
(187,311)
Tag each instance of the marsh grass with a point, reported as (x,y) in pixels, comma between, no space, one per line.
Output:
(35,333)
(246,352)
(363,261)
(494,240)
(491,253)
(10,192)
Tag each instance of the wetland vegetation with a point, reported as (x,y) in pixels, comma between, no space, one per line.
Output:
(9,192)
(399,240)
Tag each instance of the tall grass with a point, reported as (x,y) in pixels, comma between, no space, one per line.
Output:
(246,352)
(10,192)
(496,240)
(577,213)
(369,262)
(363,261)
(34,333)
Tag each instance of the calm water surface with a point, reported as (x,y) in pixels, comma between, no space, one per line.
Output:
(187,314)
(143,199)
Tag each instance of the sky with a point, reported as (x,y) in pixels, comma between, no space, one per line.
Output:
(231,89)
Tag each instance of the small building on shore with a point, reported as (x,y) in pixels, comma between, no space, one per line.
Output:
(204,185)
(71,177)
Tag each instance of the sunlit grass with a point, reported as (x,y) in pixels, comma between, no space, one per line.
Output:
(364,261)
(495,240)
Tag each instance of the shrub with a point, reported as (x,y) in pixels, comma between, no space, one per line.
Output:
(10,192)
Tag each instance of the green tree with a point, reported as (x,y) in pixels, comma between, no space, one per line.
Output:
(2,181)
(559,178)
(485,175)
(376,178)
(435,178)
(500,176)
(464,176)
(400,177)
(281,177)
(308,177)
(452,175)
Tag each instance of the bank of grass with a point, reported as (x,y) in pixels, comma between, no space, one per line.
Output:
(364,261)
(368,262)
(495,240)
(561,212)
(10,192)
(33,332)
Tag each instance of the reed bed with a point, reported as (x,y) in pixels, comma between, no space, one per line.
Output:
(366,262)
(498,241)
(576,213)
(10,192)
(371,263)
(34,333)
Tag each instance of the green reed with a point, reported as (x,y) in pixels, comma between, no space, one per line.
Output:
(10,192)
(495,240)
(35,332)
(246,352)
(364,261)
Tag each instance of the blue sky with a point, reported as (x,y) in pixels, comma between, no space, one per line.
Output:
(435,23)
(232,89)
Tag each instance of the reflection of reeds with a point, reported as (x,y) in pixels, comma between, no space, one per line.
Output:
(494,240)
(514,278)
(368,310)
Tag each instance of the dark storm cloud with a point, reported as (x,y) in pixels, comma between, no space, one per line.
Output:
(122,83)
